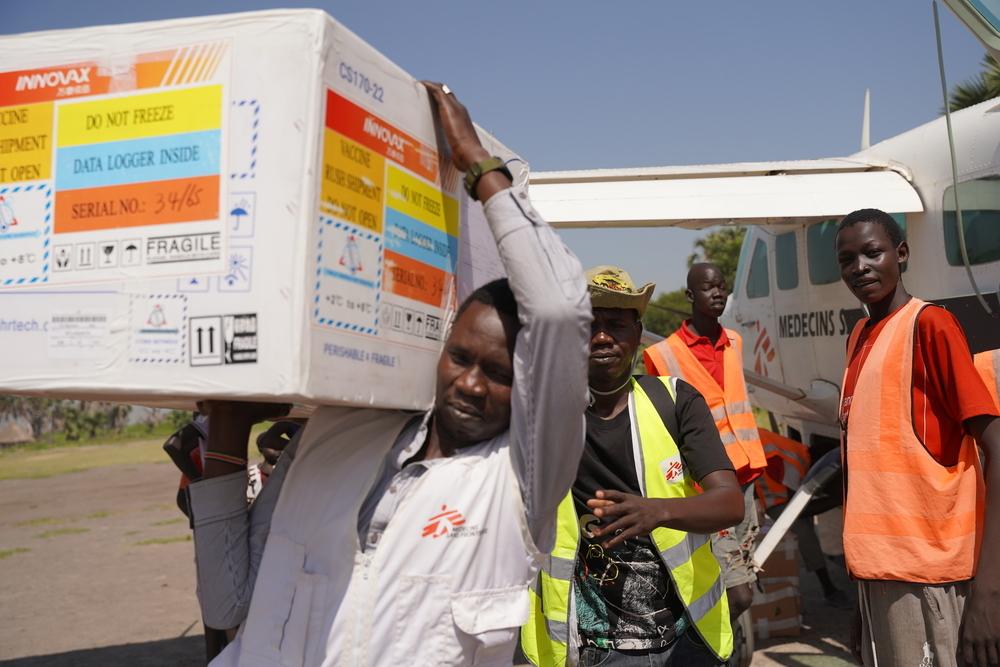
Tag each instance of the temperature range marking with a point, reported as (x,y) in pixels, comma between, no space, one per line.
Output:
(137,204)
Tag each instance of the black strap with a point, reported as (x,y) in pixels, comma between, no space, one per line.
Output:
(662,402)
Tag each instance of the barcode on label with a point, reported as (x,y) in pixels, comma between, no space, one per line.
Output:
(64,319)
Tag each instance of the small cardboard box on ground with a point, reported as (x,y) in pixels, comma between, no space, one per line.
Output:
(777,611)
(248,206)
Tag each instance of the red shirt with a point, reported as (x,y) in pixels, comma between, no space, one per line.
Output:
(708,353)
(947,389)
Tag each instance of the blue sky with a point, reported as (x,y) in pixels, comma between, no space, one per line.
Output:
(576,85)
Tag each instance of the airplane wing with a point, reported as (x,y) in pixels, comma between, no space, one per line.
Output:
(702,196)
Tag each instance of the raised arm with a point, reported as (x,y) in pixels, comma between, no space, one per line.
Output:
(229,536)
(550,355)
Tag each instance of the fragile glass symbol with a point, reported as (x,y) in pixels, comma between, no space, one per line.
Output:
(239,269)
(351,257)
(7,217)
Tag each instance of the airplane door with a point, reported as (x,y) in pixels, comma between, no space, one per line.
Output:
(752,306)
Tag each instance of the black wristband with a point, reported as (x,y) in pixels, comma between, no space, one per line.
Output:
(477,170)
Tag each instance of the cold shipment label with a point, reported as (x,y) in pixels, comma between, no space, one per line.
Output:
(100,163)
(388,230)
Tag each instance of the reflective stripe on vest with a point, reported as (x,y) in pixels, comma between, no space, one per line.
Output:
(794,459)
(730,405)
(906,517)
(688,557)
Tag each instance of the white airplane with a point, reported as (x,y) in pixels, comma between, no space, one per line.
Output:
(788,301)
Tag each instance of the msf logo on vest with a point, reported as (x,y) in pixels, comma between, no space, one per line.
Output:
(449,523)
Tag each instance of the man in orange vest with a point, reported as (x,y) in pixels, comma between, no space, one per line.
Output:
(921,534)
(710,358)
(988,365)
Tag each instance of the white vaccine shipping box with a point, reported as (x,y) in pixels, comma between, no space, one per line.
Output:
(253,206)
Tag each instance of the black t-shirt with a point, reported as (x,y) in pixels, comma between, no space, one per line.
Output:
(624,598)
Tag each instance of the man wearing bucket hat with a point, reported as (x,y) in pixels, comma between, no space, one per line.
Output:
(710,357)
(632,579)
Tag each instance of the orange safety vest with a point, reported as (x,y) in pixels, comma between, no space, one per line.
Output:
(787,463)
(988,365)
(906,517)
(730,407)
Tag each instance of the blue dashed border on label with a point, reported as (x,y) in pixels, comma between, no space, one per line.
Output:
(182,329)
(324,222)
(46,233)
(254,135)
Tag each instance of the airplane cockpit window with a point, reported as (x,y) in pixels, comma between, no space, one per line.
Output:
(758,284)
(821,253)
(786,261)
(980,202)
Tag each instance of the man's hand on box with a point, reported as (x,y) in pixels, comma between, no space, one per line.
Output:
(457,125)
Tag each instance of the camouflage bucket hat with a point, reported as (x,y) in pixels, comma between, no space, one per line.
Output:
(612,287)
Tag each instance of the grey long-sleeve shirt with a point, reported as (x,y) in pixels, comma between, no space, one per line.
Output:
(548,398)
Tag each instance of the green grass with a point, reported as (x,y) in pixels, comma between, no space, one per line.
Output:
(163,540)
(34,464)
(6,553)
(100,514)
(159,507)
(171,522)
(55,532)
(48,459)
(130,433)
(41,521)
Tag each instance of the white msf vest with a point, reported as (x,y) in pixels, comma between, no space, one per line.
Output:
(447,584)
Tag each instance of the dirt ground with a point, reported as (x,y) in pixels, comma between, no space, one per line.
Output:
(98,570)
(107,575)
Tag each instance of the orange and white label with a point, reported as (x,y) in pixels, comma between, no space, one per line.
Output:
(373,132)
(415,280)
(172,67)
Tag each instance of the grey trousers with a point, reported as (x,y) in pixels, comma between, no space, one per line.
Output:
(907,624)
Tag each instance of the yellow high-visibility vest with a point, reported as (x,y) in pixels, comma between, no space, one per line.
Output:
(550,633)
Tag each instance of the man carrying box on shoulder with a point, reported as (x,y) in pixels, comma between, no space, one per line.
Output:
(632,579)
(710,357)
(921,530)
(388,538)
